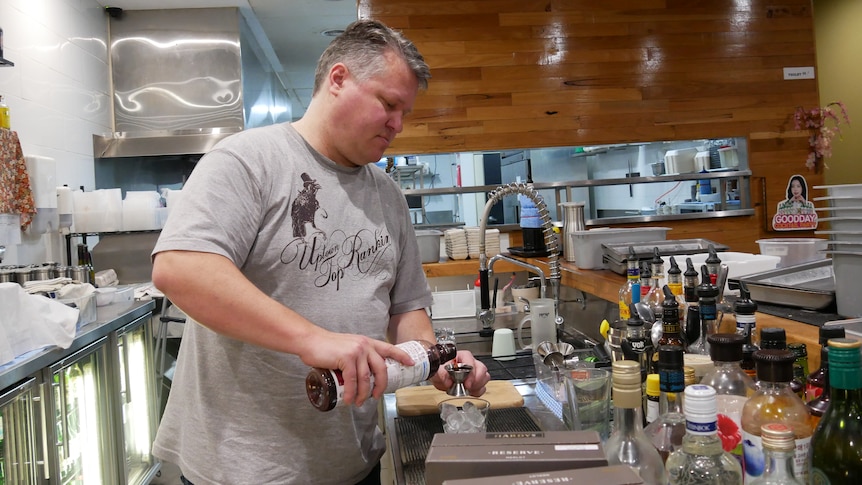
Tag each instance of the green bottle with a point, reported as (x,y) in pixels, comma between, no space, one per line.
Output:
(836,449)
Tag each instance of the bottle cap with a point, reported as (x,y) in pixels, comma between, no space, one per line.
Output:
(774,365)
(773,338)
(744,304)
(674,267)
(706,289)
(701,409)
(777,436)
(830,331)
(652,385)
(690,376)
(844,363)
(626,377)
(725,347)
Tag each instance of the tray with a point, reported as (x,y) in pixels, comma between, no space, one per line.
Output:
(616,254)
(809,285)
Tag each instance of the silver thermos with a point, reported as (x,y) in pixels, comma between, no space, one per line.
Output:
(573,220)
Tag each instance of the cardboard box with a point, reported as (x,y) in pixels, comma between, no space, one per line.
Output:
(475,455)
(606,475)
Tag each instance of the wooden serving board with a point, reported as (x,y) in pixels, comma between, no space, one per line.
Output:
(417,400)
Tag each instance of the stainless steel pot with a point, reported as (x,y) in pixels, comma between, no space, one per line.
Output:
(7,274)
(78,273)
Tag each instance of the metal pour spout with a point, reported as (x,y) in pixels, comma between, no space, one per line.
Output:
(486,316)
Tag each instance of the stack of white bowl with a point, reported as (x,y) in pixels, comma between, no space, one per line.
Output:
(844,216)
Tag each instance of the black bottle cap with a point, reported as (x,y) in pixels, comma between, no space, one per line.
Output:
(744,304)
(706,289)
(656,257)
(635,320)
(713,255)
(689,269)
(774,365)
(773,338)
(674,268)
(725,347)
(830,331)
(671,357)
(645,271)
(669,298)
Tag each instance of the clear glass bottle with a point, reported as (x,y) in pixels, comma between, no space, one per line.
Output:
(628,445)
(655,296)
(779,445)
(667,431)
(706,302)
(836,447)
(671,331)
(732,387)
(325,387)
(774,401)
(818,381)
(701,460)
(630,292)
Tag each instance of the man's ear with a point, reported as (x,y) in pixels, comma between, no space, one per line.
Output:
(337,76)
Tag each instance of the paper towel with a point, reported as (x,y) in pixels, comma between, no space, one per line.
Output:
(65,200)
(43,172)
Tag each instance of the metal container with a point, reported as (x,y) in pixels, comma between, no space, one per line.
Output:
(7,274)
(23,274)
(573,220)
(41,272)
(78,273)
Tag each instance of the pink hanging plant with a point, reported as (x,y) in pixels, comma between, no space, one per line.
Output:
(820,133)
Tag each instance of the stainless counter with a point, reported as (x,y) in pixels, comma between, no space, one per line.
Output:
(110,318)
(547,420)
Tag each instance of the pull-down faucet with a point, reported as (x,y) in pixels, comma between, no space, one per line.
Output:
(486,315)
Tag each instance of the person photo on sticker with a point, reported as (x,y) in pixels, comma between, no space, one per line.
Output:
(797,198)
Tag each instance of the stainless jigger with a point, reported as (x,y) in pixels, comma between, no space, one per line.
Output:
(459,373)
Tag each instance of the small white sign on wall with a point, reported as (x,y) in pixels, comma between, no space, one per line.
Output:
(791,73)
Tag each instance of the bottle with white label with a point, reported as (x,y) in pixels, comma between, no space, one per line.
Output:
(325,387)
(774,401)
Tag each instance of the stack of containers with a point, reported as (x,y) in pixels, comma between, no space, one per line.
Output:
(844,216)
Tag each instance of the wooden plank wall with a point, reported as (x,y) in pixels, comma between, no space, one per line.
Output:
(539,73)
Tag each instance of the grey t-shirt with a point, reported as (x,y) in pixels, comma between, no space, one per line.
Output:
(334,244)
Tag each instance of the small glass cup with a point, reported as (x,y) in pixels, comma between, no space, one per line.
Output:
(464,414)
(587,404)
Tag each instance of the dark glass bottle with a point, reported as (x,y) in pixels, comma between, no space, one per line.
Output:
(671,331)
(637,344)
(745,309)
(325,387)
(692,312)
(776,338)
(818,381)
(800,367)
(836,447)
(706,301)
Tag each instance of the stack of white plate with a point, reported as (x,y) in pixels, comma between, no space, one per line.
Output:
(456,243)
(492,241)
(844,216)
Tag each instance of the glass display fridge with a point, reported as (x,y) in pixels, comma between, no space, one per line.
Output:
(19,454)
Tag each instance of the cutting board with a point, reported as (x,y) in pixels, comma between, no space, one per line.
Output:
(417,400)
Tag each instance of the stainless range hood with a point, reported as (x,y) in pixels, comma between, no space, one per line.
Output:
(176,78)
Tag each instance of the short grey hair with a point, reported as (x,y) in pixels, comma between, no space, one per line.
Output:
(361,47)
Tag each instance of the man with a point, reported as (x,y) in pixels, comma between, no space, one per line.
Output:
(291,250)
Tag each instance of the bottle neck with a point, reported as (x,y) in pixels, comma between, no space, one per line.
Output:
(628,421)
(670,402)
(779,463)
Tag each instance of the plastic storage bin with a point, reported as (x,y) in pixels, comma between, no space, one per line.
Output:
(794,250)
(429,245)
(588,244)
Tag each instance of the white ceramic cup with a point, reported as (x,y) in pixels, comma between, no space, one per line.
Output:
(543,323)
(503,347)
(529,293)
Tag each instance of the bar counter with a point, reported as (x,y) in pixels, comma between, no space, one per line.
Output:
(606,284)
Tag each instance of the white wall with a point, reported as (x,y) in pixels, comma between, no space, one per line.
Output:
(57,93)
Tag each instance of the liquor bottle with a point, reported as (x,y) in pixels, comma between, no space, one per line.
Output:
(706,302)
(691,330)
(744,308)
(630,292)
(671,333)
(325,387)
(701,460)
(836,447)
(732,387)
(818,381)
(667,431)
(646,280)
(651,412)
(674,281)
(774,401)
(800,367)
(655,297)
(713,264)
(637,344)
(779,445)
(628,445)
